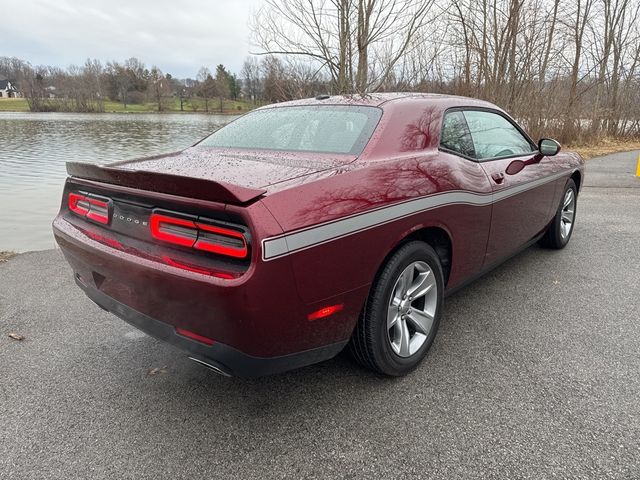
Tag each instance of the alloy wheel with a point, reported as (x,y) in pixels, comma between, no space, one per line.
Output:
(412,309)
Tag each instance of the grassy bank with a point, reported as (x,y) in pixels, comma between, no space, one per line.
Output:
(605,147)
(13,105)
(169,105)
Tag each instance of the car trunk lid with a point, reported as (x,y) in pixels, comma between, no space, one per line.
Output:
(164,182)
(188,206)
(221,175)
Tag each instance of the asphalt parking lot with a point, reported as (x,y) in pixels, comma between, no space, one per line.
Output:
(535,373)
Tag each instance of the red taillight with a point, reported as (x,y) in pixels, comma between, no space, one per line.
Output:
(221,240)
(325,312)
(96,209)
(78,204)
(198,235)
(173,230)
(99,210)
(194,336)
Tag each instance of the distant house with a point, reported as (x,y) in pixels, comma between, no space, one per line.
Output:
(50,92)
(8,89)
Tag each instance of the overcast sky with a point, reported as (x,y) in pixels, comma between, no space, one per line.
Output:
(178,36)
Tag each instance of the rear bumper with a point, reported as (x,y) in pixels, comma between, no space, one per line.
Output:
(258,322)
(224,358)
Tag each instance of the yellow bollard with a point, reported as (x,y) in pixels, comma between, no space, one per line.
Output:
(638,167)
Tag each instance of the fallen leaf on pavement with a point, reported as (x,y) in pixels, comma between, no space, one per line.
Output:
(4,256)
(156,370)
(16,336)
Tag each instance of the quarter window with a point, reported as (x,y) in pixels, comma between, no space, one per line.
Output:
(455,135)
(494,136)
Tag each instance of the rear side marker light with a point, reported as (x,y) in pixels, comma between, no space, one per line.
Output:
(194,336)
(325,312)
(90,207)
(198,235)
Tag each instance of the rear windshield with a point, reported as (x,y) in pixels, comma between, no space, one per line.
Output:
(323,129)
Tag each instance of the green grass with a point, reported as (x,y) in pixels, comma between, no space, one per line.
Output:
(13,105)
(110,106)
(172,104)
(198,105)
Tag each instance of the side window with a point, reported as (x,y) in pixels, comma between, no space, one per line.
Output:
(455,134)
(494,136)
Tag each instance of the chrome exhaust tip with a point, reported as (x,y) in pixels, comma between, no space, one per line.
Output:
(215,368)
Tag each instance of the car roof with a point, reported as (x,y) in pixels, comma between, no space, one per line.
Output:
(381,99)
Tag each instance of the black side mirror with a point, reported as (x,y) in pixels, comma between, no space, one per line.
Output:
(548,147)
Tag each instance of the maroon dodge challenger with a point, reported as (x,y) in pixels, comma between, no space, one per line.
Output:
(305,226)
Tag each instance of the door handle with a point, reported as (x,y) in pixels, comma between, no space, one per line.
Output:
(498,177)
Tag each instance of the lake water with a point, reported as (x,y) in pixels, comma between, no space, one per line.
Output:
(35,146)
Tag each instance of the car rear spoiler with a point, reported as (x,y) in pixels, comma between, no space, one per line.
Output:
(192,187)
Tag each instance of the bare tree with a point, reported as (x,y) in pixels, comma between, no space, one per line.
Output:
(222,85)
(121,81)
(158,87)
(568,67)
(205,87)
(251,78)
(577,25)
(359,42)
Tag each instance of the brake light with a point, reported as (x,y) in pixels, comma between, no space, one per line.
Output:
(91,207)
(221,240)
(78,204)
(194,233)
(173,230)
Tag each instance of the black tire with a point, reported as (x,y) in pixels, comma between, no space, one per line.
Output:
(370,343)
(553,237)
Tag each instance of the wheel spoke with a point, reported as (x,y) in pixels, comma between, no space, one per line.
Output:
(393,337)
(404,282)
(567,216)
(404,339)
(421,320)
(392,316)
(423,283)
(568,198)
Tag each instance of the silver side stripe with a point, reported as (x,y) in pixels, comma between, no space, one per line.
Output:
(275,247)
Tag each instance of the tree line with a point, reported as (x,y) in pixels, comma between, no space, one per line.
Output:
(568,68)
(564,68)
(86,88)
